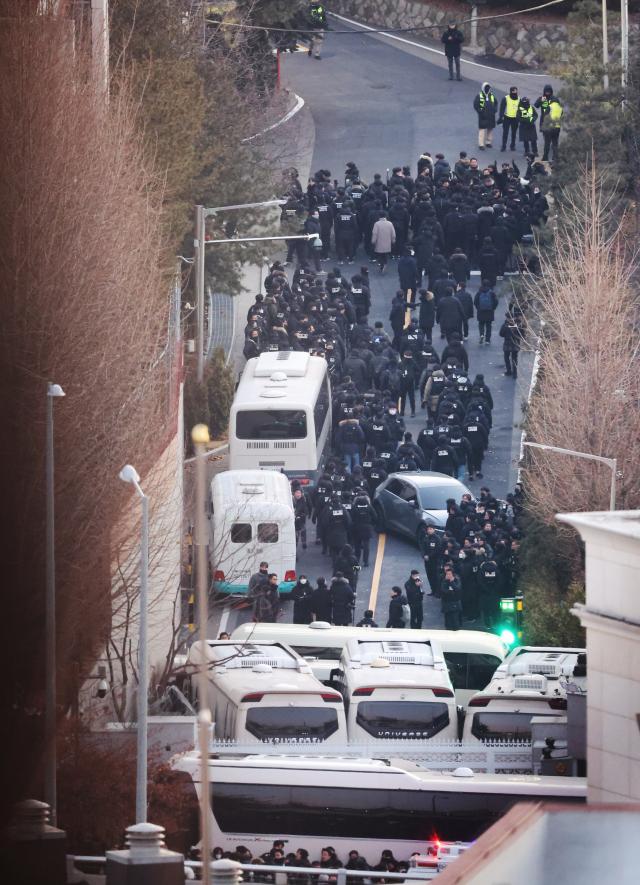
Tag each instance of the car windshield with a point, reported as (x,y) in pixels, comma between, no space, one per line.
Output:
(435,497)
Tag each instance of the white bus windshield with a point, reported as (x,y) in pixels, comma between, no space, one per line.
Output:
(271,424)
(274,724)
(402,720)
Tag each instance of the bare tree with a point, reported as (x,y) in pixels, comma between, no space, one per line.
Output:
(589,389)
(83,303)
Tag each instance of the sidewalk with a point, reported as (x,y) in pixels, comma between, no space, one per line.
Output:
(299,131)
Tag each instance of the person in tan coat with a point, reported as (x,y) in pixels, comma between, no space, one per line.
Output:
(383,236)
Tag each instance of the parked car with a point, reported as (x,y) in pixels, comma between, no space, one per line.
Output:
(404,502)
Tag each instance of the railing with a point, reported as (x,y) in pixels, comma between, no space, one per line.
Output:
(491,757)
(279,875)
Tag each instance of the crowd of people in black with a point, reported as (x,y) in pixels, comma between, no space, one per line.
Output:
(278,856)
(469,566)
(439,225)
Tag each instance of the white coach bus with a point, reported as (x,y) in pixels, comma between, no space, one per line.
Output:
(366,804)
(281,415)
(531,681)
(472,656)
(264,693)
(396,690)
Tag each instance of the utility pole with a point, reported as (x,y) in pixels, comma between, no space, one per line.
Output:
(199,256)
(624,28)
(474,27)
(100,44)
(605,46)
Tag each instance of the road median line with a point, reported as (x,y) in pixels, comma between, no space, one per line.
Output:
(377,570)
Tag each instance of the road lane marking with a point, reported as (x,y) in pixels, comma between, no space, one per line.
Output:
(377,569)
(407,313)
(464,61)
(294,110)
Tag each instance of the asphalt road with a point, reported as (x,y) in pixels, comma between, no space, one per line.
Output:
(380,104)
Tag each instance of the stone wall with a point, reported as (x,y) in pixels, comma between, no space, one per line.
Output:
(520,38)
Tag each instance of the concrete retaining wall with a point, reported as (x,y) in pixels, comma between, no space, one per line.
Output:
(520,38)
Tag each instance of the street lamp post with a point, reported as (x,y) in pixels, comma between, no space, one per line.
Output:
(130,475)
(610,462)
(199,242)
(54,391)
(200,438)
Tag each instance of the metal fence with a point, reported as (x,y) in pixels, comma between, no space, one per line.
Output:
(93,867)
(491,757)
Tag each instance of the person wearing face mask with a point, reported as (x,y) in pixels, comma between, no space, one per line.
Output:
(484,105)
(312,226)
(252,347)
(508,116)
(527,116)
(395,424)
(301,510)
(301,596)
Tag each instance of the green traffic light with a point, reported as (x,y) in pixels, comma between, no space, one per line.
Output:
(507,636)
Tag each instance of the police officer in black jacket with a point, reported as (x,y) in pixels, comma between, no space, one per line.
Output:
(415,595)
(431,547)
(363,520)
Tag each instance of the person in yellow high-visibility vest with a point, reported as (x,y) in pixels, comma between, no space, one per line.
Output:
(318,20)
(527,116)
(484,105)
(508,116)
(551,128)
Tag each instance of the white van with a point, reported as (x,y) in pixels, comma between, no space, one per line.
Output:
(471,655)
(251,520)
(396,690)
(265,693)
(531,681)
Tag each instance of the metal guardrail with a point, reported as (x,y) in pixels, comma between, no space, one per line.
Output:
(443,755)
(279,875)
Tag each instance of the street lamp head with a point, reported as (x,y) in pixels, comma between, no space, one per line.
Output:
(55,390)
(129,474)
(200,434)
